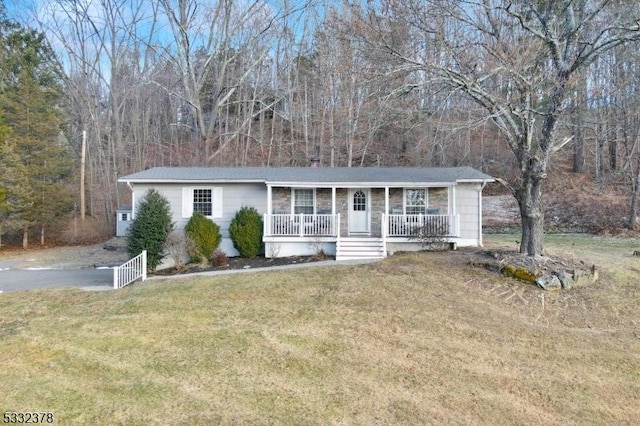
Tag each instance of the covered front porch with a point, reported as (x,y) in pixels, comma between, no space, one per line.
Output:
(392,226)
(360,221)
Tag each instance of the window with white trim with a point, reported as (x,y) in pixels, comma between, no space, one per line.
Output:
(303,201)
(415,201)
(203,201)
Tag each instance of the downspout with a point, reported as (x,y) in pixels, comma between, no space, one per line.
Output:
(133,200)
(480,213)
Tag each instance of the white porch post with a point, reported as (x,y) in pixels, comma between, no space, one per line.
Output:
(452,193)
(334,219)
(386,200)
(333,200)
(266,231)
(453,202)
(384,217)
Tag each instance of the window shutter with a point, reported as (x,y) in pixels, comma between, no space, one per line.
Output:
(217,202)
(187,202)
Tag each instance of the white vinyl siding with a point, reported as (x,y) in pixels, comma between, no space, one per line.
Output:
(467,206)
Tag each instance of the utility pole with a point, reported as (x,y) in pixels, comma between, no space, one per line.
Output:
(82,166)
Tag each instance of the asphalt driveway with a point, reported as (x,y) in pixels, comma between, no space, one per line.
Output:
(31,279)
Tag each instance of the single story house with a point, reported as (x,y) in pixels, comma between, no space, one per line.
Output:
(349,212)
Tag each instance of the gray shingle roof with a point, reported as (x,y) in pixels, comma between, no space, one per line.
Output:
(309,175)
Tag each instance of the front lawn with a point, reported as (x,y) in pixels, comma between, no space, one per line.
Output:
(417,338)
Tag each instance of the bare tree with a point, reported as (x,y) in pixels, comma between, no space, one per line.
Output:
(518,60)
(217,47)
(104,48)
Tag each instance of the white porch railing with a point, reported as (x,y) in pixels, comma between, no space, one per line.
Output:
(399,225)
(130,271)
(301,225)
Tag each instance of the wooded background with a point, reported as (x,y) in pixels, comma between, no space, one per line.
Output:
(255,83)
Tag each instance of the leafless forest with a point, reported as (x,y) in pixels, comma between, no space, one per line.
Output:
(497,85)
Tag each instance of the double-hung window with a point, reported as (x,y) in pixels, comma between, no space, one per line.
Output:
(203,201)
(303,201)
(415,201)
(207,201)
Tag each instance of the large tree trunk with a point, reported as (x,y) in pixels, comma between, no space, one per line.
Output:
(528,193)
(578,152)
(25,237)
(529,198)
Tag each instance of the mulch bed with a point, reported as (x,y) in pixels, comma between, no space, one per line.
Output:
(531,269)
(539,265)
(236,263)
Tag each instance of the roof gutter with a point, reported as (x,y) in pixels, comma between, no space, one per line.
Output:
(344,184)
(482,181)
(192,181)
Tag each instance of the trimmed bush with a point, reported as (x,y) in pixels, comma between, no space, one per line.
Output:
(246,232)
(150,228)
(205,235)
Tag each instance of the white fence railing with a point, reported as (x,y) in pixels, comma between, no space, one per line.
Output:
(301,225)
(426,225)
(130,271)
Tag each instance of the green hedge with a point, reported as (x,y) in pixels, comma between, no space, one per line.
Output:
(150,228)
(246,232)
(205,235)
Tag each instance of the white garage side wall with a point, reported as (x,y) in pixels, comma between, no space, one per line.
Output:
(468,207)
(234,197)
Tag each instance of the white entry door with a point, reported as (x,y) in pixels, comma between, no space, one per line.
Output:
(359,211)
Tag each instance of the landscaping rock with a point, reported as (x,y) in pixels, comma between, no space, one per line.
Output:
(566,280)
(584,277)
(548,282)
(547,273)
(518,272)
(117,244)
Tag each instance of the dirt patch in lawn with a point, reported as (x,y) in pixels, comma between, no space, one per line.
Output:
(110,253)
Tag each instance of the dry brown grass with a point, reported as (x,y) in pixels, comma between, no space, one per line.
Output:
(415,339)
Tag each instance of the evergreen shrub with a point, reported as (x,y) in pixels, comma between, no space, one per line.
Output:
(246,232)
(205,235)
(150,228)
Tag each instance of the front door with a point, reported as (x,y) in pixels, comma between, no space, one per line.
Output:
(359,209)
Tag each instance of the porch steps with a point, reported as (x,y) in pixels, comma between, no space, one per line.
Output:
(352,248)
